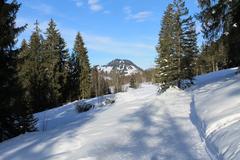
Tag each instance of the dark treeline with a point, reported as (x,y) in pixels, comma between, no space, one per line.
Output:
(100,85)
(212,57)
(39,75)
(221,28)
(16,117)
(180,59)
(49,75)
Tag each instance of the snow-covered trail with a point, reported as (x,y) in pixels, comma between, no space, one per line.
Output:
(139,126)
(148,127)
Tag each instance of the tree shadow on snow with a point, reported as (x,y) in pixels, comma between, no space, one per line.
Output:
(40,145)
(154,139)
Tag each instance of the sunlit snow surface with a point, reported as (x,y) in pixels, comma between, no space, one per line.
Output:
(141,125)
(216,99)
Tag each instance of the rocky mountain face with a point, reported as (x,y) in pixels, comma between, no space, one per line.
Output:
(123,66)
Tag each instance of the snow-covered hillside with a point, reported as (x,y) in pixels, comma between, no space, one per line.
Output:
(125,67)
(201,123)
(140,125)
(216,108)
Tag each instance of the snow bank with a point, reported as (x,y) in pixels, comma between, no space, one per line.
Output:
(60,116)
(216,105)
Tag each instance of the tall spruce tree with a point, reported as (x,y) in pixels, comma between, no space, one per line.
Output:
(82,67)
(34,73)
(15,117)
(27,121)
(190,51)
(177,48)
(186,43)
(167,71)
(22,57)
(73,78)
(63,69)
(55,48)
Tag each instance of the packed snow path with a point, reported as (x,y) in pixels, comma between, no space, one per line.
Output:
(139,126)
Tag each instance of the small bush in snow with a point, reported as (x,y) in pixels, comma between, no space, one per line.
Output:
(185,84)
(83,107)
(109,101)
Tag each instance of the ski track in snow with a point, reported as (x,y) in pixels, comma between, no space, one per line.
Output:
(139,126)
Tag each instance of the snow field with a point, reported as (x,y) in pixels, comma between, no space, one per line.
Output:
(140,125)
(217,105)
(201,123)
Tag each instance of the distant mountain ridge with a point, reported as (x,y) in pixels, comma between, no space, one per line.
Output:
(124,66)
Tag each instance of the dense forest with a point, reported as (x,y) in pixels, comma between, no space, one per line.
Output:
(42,73)
(180,59)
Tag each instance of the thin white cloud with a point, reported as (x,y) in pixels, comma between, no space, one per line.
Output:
(79,3)
(106,12)
(141,16)
(127,10)
(108,45)
(112,46)
(43,8)
(95,43)
(94,5)
(138,17)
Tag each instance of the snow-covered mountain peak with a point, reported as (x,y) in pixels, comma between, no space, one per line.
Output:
(124,66)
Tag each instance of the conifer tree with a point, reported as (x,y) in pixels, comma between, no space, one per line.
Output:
(22,69)
(63,69)
(104,86)
(167,60)
(73,78)
(34,73)
(220,19)
(213,57)
(27,121)
(190,51)
(117,80)
(15,117)
(55,48)
(82,67)
(177,48)
(186,43)
(99,85)
(95,82)
(133,82)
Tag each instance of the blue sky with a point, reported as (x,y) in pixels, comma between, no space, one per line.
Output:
(126,29)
